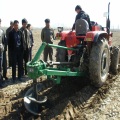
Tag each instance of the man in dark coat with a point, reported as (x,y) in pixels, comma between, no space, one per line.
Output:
(26,43)
(81,15)
(7,35)
(16,47)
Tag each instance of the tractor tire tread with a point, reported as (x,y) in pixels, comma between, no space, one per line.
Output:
(94,65)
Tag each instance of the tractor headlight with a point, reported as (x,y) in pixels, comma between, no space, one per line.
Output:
(60,29)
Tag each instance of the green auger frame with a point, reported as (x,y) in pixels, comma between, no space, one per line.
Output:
(37,68)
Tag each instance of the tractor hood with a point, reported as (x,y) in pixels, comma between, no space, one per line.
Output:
(66,33)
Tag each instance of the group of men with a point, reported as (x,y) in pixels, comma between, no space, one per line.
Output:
(20,42)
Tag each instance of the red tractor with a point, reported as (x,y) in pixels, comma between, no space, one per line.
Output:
(79,53)
(95,54)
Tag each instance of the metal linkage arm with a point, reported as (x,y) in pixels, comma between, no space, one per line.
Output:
(42,47)
(62,47)
(40,50)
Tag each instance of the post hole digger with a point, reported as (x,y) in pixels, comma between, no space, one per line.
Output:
(79,53)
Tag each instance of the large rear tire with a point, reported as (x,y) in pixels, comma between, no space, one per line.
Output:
(99,62)
(115,60)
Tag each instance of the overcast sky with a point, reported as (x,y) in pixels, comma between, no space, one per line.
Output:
(60,12)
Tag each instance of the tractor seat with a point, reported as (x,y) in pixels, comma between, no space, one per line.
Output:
(81,27)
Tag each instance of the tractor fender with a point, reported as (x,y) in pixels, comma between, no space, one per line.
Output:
(94,35)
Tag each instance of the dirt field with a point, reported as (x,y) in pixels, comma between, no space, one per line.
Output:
(74,99)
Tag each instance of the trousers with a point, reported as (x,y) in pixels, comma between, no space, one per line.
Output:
(26,59)
(17,58)
(1,62)
(4,65)
(48,51)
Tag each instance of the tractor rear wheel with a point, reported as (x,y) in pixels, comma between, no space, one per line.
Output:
(61,55)
(99,62)
(115,60)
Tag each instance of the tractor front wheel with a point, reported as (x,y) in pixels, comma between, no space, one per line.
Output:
(99,62)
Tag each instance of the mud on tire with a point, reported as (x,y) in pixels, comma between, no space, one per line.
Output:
(115,60)
(99,62)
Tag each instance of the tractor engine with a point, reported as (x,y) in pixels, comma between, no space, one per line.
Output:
(79,58)
(74,39)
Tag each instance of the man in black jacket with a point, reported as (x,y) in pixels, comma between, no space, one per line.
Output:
(7,35)
(16,46)
(26,42)
(81,15)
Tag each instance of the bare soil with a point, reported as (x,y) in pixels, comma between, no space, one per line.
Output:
(73,99)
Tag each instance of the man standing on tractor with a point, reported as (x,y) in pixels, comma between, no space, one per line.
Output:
(81,15)
(47,35)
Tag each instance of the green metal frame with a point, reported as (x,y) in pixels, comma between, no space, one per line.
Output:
(37,68)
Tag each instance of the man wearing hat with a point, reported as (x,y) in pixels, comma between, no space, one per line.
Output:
(81,15)
(26,43)
(7,35)
(3,61)
(47,35)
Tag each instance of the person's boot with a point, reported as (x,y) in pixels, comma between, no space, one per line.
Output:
(6,78)
(2,84)
(13,81)
(20,79)
(25,72)
(1,80)
(5,84)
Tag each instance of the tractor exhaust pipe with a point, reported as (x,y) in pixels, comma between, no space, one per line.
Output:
(108,20)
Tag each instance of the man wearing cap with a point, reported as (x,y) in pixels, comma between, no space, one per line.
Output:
(26,43)
(7,35)
(47,35)
(81,15)
(3,61)
(16,47)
